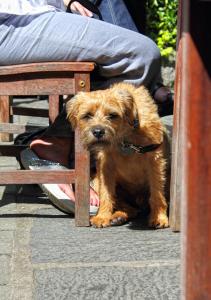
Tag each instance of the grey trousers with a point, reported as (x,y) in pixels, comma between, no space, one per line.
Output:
(120,54)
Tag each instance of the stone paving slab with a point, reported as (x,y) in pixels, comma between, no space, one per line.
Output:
(5,269)
(6,242)
(7,224)
(92,283)
(62,241)
(5,292)
(126,262)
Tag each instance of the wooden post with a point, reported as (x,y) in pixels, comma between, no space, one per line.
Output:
(82,164)
(82,169)
(196,136)
(175,190)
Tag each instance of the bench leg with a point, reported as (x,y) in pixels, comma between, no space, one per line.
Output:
(5,116)
(82,163)
(82,169)
(55,105)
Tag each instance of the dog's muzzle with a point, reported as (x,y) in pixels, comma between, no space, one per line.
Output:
(98,132)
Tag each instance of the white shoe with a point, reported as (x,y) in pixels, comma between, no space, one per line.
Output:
(31,161)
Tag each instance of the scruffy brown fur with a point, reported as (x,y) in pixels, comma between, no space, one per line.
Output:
(106,118)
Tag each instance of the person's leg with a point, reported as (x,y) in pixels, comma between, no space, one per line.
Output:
(121,54)
(116,12)
(137,10)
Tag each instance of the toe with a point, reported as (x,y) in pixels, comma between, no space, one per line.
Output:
(118,221)
(100,222)
(160,221)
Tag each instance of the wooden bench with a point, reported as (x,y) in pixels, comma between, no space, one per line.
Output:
(53,79)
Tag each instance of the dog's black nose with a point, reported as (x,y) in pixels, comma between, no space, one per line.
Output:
(98,132)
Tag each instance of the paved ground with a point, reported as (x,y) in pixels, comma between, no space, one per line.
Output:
(44,256)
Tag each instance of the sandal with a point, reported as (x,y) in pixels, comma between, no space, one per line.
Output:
(31,161)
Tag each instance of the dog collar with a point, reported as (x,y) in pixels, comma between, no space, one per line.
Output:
(129,148)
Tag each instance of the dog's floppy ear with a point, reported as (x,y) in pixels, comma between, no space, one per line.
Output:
(72,107)
(129,106)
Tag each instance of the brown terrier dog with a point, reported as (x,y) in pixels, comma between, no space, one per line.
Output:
(122,127)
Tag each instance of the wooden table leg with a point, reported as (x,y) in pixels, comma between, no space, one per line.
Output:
(196,132)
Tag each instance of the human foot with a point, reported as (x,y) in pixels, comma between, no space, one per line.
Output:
(57,150)
(54,149)
(68,190)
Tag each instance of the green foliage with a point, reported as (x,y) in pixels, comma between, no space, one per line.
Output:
(162,23)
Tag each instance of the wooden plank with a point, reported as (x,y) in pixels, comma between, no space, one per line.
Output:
(82,82)
(16,128)
(5,116)
(82,165)
(196,171)
(36,177)
(47,67)
(33,85)
(54,107)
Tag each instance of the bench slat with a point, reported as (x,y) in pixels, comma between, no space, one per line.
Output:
(47,67)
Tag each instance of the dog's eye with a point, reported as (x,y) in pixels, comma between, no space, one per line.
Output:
(87,116)
(113,116)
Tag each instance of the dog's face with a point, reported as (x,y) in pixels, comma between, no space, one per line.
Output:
(104,117)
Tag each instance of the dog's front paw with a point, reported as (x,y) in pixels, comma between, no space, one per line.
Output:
(101,221)
(159,220)
(119,218)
